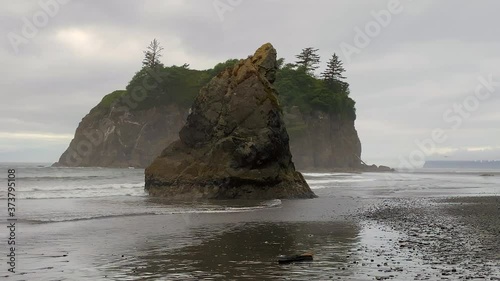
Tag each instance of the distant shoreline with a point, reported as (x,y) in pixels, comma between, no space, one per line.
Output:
(479,164)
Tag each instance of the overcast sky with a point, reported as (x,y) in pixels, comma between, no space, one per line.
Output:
(408,74)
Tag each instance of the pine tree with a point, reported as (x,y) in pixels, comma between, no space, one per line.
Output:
(152,55)
(280,62)
(308,60)
(334,70)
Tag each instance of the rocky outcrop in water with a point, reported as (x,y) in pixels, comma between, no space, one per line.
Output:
(318,140)
(117,133)
(122,138)
(322,141)
(234,144)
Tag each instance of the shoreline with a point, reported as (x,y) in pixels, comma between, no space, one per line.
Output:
(361,227)
(352,238)
(456,236)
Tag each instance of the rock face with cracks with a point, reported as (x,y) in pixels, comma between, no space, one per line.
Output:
(234,144)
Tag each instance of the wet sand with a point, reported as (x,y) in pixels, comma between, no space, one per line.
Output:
(352,239)
(459,238)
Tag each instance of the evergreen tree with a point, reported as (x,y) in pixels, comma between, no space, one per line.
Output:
(280,62)
(152,55)
(334,70)
(308,60)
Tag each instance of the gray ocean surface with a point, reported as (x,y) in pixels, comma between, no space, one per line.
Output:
(99,224)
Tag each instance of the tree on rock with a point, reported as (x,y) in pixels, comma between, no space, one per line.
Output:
(333,73)
(308,60)
(334,69)
(152,55)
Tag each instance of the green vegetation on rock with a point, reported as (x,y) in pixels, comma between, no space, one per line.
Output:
(139,120)
(109,99)
(298,88)
(296,85)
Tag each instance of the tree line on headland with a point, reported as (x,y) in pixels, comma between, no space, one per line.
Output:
(296,82)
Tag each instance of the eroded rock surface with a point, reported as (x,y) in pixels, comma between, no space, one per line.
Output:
(234,144)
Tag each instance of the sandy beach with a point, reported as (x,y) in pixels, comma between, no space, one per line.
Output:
(370,226)
(220,140)
(352,239)
(459,238)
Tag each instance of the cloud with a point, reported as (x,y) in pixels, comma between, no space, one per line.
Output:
(418,66)
(35,136)
(487,153)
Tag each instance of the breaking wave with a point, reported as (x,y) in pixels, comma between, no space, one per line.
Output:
(167,211)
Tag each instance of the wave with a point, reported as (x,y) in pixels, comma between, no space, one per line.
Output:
(47,196)
(179,210)
(84,218)
(314,182)
(326,174)
(83,188)
(91,191)
(40,178)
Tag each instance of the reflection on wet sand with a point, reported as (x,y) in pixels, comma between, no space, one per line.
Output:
(354,231)
(249,251)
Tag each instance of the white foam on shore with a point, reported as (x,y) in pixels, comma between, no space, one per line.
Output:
(81,191)
(326,174)
(82,188)
(163,211)
(316,182)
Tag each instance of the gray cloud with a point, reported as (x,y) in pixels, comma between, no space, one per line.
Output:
(428,58)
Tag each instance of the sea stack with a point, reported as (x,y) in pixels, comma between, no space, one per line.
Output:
(234,144)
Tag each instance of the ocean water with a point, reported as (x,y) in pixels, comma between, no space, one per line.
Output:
(53,194)
(99,224)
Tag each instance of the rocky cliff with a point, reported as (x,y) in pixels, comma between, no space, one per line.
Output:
(114,134)
(118,137)
(234,143)
(321,140)
(318,141)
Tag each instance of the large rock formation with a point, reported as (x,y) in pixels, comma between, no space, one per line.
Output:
(119,137)
(234,144)
(318,140)
(323,141)
(117,133)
